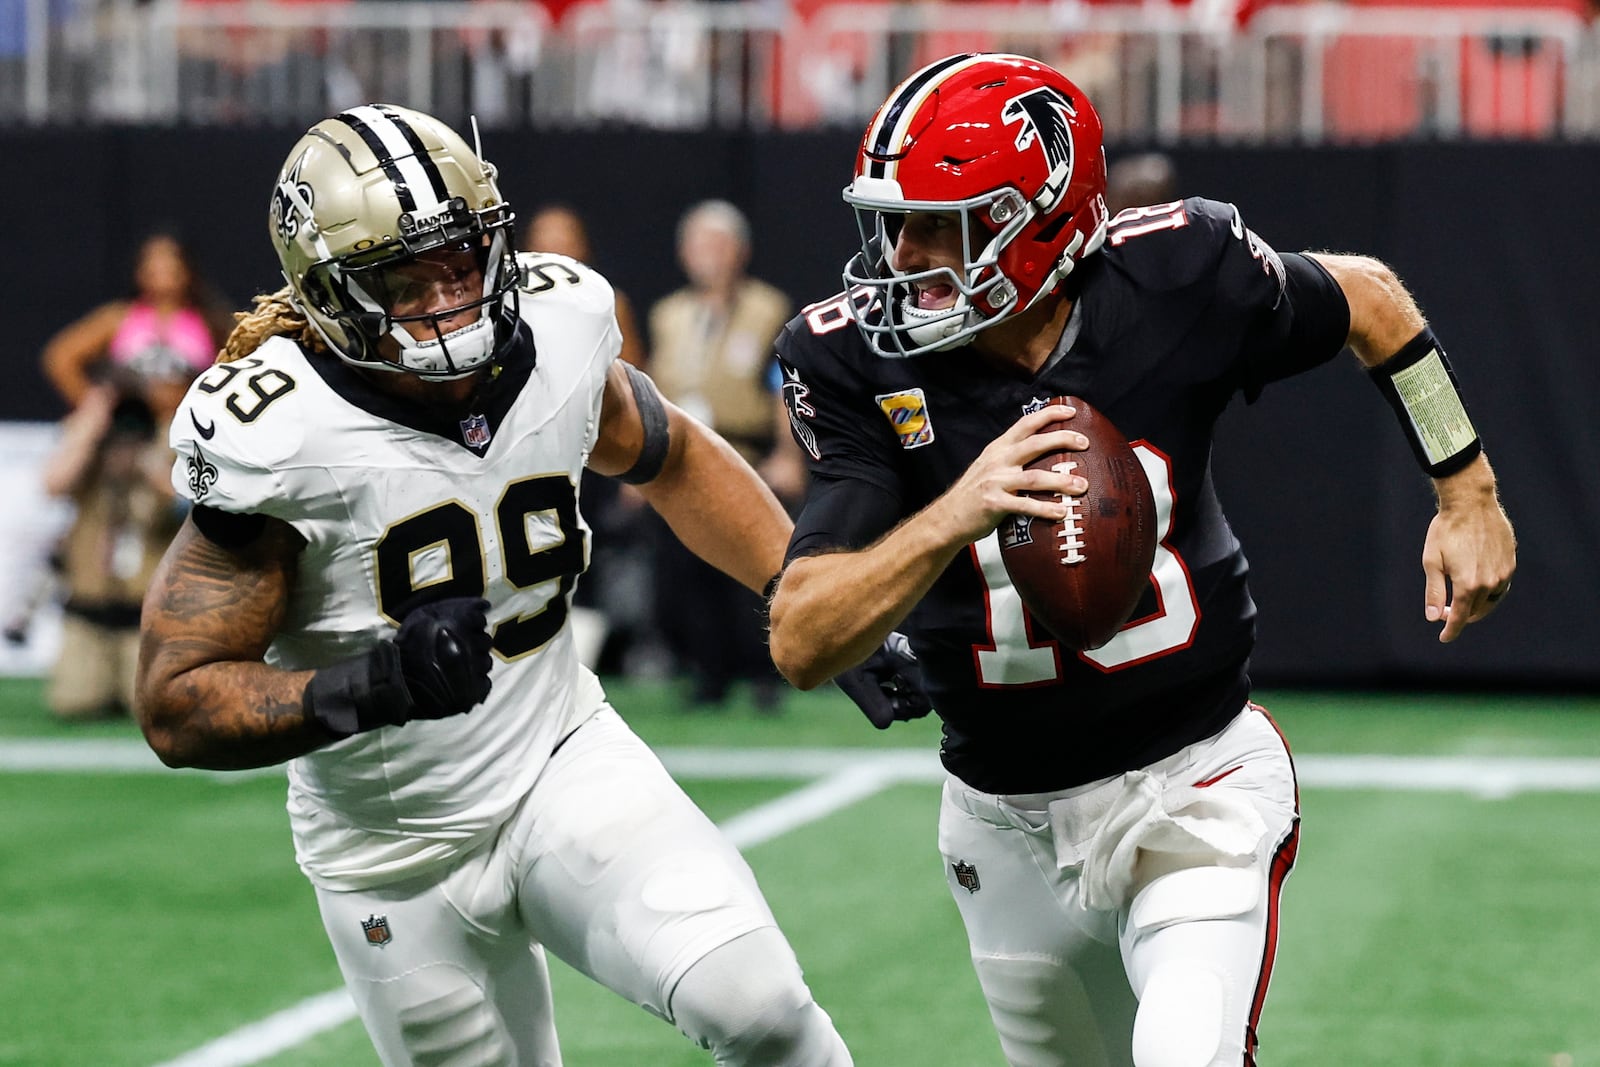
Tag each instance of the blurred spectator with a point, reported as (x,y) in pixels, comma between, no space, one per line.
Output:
(1137,181)
(123,358)
(612,607)
(113,462)
(165,334)
(711,354)
(711,341)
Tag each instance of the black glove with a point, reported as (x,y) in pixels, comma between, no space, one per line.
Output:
(436,666)
(888,686)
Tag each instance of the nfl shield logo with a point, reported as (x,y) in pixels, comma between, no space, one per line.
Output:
(376,927)
(1017,530)
(966,877)
(475,431)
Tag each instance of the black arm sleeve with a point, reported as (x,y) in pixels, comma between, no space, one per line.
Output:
(1308,327)
(1321,313)
(653,454)
(842,513)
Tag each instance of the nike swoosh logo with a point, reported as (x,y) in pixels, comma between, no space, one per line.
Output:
(205,431)
(1214,779)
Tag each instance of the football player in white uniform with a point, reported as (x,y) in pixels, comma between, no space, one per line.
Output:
(374,586)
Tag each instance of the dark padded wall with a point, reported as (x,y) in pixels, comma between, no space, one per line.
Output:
(1497,240)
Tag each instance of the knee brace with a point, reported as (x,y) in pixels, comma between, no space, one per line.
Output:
(747,1002)
(1180,1018)
(1186,1017)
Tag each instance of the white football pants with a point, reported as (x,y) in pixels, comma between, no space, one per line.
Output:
(609,865)
(1131,922)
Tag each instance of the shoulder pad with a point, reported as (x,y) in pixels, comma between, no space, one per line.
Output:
(551,279)
(824,333)
(572,312)
(238,425)
(248,407)
(1171,246)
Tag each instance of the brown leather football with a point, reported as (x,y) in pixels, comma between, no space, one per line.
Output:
(1083,577)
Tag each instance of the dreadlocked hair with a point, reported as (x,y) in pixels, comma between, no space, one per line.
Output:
(274,316)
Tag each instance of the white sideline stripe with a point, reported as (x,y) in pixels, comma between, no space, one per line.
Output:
(276,1033)
(807,804)
(1486,776)
(1490,777)
(261,1040)
(109,754)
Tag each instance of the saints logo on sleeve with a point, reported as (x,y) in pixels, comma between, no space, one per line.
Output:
(202,476)
(231,431)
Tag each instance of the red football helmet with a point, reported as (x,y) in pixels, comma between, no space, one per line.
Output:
(1012,148)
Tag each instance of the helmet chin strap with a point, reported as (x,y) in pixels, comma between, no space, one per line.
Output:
(466,349)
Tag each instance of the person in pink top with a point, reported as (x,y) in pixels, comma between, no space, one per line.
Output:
(157,341)
(123,369)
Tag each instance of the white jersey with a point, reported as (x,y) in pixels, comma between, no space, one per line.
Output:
(484,506)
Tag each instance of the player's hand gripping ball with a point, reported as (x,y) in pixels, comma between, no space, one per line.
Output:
(1082,577)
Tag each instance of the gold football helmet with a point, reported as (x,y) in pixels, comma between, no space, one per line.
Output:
(361,197)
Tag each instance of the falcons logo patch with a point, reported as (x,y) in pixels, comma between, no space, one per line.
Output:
(1043,114)
(795,392)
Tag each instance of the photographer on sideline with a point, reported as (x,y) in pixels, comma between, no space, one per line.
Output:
(114,466)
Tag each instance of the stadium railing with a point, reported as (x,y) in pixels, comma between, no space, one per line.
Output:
(1160,74)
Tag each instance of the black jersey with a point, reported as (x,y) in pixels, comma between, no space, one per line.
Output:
(1181,309)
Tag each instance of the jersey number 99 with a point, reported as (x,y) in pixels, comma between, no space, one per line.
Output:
(454,529)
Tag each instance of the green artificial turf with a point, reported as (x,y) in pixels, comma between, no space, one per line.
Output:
(146,914)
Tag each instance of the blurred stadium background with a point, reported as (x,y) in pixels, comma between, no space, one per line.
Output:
(1441,912)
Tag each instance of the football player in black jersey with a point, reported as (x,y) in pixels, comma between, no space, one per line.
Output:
(1117,822)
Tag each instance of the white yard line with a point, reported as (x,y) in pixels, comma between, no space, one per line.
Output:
(277,1033)
(1487,776)
(110,755)
(19,754)
(296,1025)
(807,804)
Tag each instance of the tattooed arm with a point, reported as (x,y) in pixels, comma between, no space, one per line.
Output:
(205,698)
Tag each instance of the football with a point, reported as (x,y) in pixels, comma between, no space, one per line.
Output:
(1082,577)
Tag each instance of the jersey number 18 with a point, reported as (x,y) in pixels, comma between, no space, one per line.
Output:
(1015,657)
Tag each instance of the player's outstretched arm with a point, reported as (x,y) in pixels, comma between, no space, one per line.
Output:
(1470,552)
(204,697)
(833,610)
(714,501)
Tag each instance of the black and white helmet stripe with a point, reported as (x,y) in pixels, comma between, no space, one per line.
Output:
(886,137)
(418,184)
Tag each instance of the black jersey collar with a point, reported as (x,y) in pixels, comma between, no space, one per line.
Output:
(1069,337)
(490,403)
